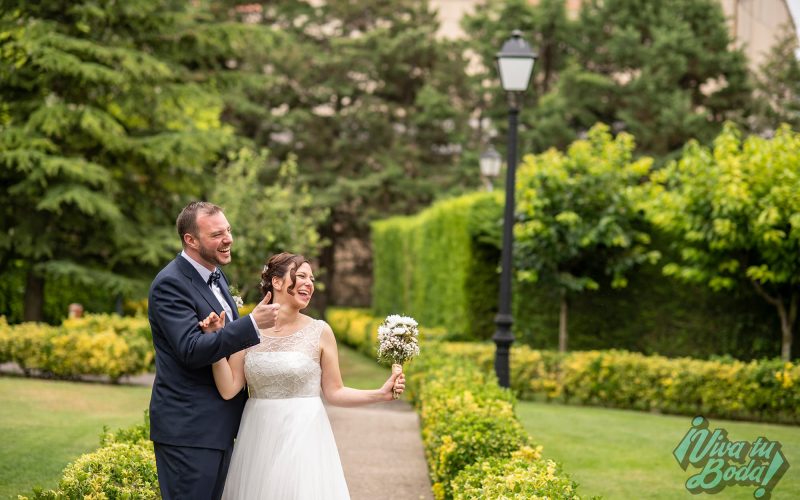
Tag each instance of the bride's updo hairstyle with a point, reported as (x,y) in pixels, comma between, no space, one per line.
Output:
(276,267)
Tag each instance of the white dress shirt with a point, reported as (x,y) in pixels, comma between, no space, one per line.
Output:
(205,273)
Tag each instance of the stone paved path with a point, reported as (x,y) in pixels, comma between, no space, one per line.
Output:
(381,451)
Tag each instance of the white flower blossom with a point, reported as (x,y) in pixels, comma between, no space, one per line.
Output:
(398,339)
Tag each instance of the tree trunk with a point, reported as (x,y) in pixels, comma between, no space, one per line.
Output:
(787,328)
(788,318)
(563,335)
(34,297)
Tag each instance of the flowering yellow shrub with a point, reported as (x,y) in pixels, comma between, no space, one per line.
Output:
(123,467)
(247,308)
(469,429)
(358,328)
(765,390)
(99,344)
(522,476)
(27,344)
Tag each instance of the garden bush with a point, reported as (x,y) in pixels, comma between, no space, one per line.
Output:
(467,419)
(522,476)
(764,390)
(356,328)
(124,467)
(93,345)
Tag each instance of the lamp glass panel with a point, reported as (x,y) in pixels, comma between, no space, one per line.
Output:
(515,72)
(490,165)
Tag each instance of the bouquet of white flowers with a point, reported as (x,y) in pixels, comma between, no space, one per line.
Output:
(398,341)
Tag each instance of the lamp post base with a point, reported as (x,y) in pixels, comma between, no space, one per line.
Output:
(503,338)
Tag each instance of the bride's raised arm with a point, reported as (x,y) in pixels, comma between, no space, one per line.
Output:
(332,386)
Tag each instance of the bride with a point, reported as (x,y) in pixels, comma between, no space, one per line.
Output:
(285,447)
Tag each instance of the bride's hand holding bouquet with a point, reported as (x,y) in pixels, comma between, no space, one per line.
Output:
(398,342)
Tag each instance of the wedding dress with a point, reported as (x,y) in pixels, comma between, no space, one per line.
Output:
(285,447)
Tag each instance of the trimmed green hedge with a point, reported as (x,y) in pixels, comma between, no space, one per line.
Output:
(432,266)
(474,444)
(123,467)
(766,390)
(101,344)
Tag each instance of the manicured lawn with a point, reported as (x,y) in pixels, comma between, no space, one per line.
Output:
(46,424)
(627,454)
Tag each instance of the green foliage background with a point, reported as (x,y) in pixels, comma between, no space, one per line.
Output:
(441,266)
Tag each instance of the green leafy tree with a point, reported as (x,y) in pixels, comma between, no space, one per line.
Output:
(270,212)
(778,86)
(734,212)
(102,139)
(577,223)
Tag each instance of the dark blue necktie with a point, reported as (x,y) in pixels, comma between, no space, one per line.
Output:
(213,279)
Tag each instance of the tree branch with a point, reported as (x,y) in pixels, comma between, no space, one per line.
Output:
(775,301)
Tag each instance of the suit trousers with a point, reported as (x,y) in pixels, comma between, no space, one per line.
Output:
(186,473)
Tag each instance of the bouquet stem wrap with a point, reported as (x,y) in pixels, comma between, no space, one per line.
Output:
(396,368)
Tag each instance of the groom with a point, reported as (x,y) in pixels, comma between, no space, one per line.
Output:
(191,426)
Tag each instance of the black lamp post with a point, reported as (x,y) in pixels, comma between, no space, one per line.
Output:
(515,65)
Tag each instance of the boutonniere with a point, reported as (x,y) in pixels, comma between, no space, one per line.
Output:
(236,296)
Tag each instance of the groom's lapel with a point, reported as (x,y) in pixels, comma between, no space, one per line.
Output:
(200,285)
(225,293)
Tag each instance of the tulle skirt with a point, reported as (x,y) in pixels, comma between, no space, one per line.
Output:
(285,450)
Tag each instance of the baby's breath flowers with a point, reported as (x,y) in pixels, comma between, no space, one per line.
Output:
(398,341)
(237,299)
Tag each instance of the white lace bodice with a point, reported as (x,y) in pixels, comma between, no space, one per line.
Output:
(285,367)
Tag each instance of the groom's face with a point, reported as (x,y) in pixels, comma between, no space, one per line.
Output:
(214,239)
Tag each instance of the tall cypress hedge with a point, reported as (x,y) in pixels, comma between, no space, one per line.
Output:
(440,265)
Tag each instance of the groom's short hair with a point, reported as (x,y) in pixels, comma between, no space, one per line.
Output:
(187,219)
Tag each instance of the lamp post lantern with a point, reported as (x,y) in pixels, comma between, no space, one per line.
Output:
(490,162)
(515,64)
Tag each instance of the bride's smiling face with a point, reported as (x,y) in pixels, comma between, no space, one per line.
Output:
(296,286)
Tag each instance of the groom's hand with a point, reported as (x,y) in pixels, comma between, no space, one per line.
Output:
(266,314)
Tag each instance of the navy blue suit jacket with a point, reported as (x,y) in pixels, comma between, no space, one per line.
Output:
(185,407)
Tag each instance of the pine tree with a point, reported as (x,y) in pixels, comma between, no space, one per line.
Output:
(663,71)
(778,87)
(362,92)
(102,138)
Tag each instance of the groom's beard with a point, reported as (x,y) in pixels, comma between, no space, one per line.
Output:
(211,255)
